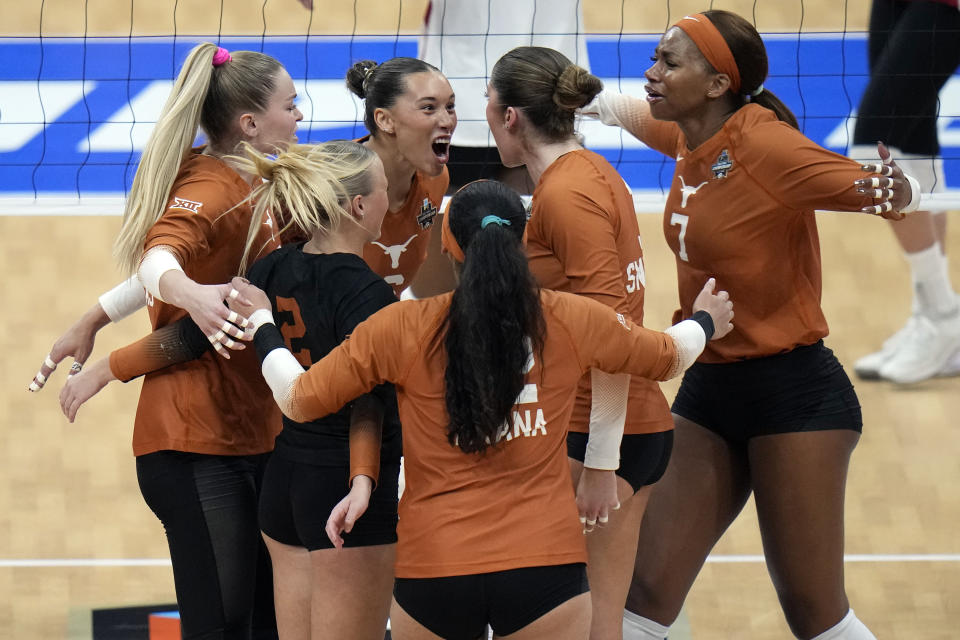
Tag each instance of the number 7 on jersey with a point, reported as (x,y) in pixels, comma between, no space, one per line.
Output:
(680,219)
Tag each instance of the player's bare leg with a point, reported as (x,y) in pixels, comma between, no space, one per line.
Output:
(704,488)
(799,482)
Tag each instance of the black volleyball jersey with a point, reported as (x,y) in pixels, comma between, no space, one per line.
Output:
(317,300)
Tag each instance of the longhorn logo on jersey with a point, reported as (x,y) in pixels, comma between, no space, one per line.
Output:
(187,205)
(427,213)
(722,166)
(395,250)
(686,191)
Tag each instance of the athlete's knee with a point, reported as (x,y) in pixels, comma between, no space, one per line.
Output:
(651,600)
(808,614)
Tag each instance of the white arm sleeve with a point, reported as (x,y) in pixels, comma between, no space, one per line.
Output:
(155,263)
(281,370)
(689,338)
(608,413)
(123,299)
(610,108)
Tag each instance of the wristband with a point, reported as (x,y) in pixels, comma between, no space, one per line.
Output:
(261,317)
(914,203)
(705,320)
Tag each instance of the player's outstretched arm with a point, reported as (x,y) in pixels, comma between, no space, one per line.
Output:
(84,385)
(78,340)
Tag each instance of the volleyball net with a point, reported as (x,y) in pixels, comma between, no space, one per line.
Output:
(76,110)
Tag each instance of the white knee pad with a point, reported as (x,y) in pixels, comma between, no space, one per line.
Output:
(636,627)
(850,628)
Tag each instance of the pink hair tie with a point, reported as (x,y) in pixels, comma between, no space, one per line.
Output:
(221,56)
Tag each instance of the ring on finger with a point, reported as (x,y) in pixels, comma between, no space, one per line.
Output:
(76,367)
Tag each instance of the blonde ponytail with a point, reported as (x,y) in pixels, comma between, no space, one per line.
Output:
(311,184)
(203,96)
(169,142)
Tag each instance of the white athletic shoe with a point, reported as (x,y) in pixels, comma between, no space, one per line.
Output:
(952,368)
(868,367)
(924,351)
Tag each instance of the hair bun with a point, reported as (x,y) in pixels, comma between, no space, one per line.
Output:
(358,77)
(576,87)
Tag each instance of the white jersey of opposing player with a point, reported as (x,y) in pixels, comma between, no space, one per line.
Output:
(465,38)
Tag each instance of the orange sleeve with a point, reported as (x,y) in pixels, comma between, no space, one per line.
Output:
(611,342)
(799,173)
(372,354)
(186,225)
(366,428)
(169,345)
(579,228)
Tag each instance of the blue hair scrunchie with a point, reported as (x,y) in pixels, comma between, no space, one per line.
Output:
(493,220)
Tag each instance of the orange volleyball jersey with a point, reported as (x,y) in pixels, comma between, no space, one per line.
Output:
(513,505)
(583,238)
(209,405)
(741,209)
(405,233)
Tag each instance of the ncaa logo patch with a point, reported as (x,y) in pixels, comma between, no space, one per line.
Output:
(427,213)
(622,320)
(187,205)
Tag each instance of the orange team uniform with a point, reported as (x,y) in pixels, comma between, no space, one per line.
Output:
(401,249)
(209,405)
(513,505)
(741,209)
(583,238)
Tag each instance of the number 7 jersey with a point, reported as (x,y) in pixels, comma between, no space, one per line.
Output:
(741,209)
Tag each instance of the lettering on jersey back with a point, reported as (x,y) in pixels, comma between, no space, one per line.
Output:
(526,422)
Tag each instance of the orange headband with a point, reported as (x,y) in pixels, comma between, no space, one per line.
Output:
(449,243)
(712,45)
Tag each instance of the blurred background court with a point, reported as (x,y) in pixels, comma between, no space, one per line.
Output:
(75,534)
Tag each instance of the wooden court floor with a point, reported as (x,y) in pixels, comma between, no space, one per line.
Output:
(68,492)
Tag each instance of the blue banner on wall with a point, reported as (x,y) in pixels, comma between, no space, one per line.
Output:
(75,113)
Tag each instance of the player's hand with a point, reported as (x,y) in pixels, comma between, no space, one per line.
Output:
(249,298)
(890,189)
(596,497)
(205,304)
(77,341)
(345,514)
(84,385)
(718,305)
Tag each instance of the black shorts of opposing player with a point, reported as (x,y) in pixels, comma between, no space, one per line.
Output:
(914,48)
(805,389)
(643,456)
(468,164)
(461,607)
(296,500)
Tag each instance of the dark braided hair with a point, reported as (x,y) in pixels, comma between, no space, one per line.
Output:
(495,321)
